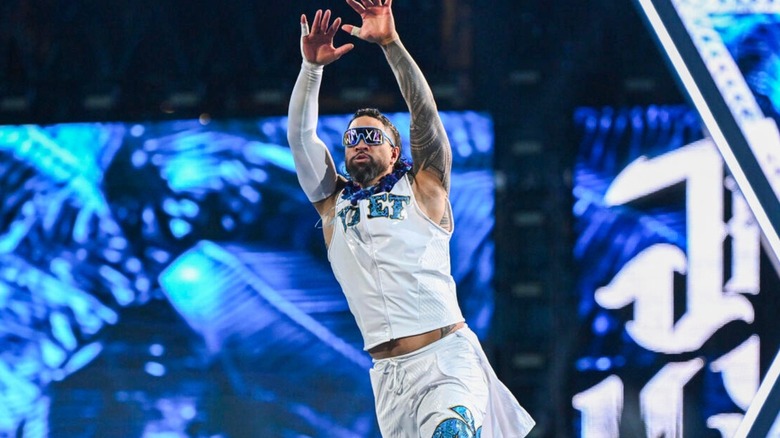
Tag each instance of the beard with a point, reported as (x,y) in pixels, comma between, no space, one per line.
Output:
(365,172)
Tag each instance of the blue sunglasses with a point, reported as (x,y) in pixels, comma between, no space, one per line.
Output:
(371,135)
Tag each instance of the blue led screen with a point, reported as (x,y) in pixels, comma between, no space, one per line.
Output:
(753,41)
(170,279)
(677,299)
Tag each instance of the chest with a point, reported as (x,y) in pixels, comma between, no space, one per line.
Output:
(382,206)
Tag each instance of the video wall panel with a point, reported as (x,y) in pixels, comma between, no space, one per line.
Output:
(170,279)
(677,296)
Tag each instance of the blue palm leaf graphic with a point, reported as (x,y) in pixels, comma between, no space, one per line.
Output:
(462,427)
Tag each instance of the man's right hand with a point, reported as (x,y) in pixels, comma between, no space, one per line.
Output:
(317,42)
(378,23)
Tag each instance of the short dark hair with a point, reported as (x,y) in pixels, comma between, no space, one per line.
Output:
(393,131)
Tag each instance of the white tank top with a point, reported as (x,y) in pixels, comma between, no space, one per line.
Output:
(393,264)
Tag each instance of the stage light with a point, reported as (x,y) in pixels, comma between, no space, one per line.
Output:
(270,96)
(527,147)
(356,94)
(526,361)
(527,290)
(525,77)
(14,104)
(639,84)
(529,218)
(99,101)
(185,98)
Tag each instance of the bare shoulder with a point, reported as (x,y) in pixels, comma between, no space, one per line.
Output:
(432,198)
(327,210)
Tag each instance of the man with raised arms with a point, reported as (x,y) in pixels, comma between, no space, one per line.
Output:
(387,228)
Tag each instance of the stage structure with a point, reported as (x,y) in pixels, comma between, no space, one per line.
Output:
(726,55)
(170,279)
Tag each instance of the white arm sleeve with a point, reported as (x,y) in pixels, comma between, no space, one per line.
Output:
(313,163)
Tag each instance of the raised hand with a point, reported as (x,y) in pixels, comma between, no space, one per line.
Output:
(378,23)
(317,43)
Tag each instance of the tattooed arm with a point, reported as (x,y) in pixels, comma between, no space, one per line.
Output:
(430,146)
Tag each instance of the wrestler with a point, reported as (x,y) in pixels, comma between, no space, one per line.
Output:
(387,228)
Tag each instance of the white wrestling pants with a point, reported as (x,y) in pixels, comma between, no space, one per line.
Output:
(446,389)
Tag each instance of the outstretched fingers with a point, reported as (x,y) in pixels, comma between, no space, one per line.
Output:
(315,24)
(342,50)
(304,25)
(362,5)
(321,23)
(357,6)
(325,21)
(350,29)
(335,26)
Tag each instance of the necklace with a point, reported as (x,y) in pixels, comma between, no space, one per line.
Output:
(354,193)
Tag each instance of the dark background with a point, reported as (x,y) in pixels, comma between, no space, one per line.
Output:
(528,64)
